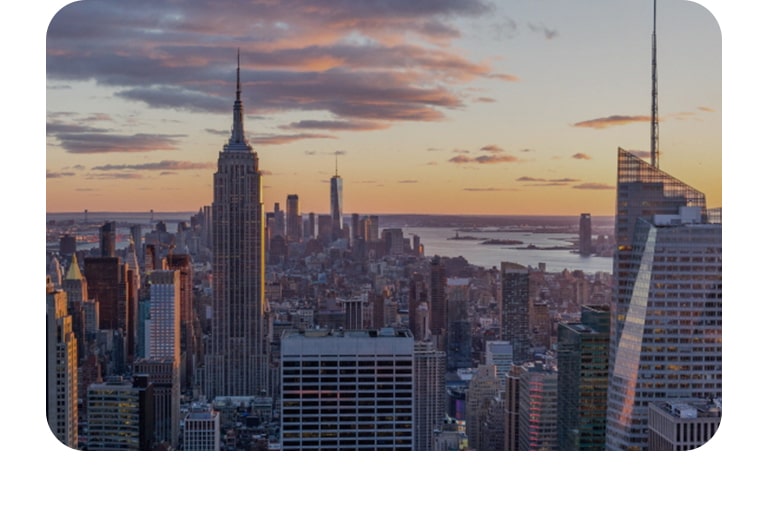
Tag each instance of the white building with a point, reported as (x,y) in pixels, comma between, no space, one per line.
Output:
(202,429)
(347,390)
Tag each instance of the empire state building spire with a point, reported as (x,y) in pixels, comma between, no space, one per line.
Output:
(237,139)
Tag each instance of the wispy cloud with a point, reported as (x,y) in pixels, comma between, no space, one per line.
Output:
(483,159)
(336,125)
(165,165)
(408,181)
(493,148)
(548,33)
(537,181)
(593,186)
(581,156)
(489,189)
(611,121)
(286,139)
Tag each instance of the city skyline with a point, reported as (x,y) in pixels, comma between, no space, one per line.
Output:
(507,108)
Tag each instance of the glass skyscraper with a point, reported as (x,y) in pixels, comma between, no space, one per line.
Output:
(666,328)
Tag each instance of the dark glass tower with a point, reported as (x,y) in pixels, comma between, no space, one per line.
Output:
(236,356)
(337,217)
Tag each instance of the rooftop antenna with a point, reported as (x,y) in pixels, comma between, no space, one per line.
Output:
(337,162)
(654,98)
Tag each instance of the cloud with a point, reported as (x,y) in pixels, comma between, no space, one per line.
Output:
(336,125)
(165,165)
(581,156)
(706,109)
(490,189)
(114,175)
(483,159)
(355,60)
(493,148)
(55,175)
(286,139)
(611,121)
(537,181)
(593,186)
(549,33)
(408,181)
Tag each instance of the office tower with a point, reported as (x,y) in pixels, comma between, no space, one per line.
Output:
(354,313)
(536,406)
(515,309)
(482,392)
(107,239)
(499,354)
(120,414)
(54,271)
(67,245)
(108,284)
(418,294)
(60,369)
(337,215)
(585,234)
(458,345)
(202,429)
(428,395)
(292,218)
(277,224)
(191,344)
(309,230)
(582,368)
(348,390)
(418,249)
(236,359)
(437,299)
(325,228)
(682,424)
(666,330)
(355,228)
(393,241)
(163,352)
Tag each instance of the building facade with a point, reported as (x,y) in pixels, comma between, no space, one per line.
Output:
(236,354)
(347,390)
(582,386)
(515,309)
(666,330)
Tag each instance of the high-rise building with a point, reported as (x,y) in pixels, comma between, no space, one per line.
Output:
(163,352)
(292,218)
(682,424)
(500,355)
(61,369)
(483,391)
(515,301)
(458,345)
(582,386)
(347,390)
(666,329)
(121,414)
(107,238)
(236,356)
(191,345)
(585,234)
(437,299)
(108,284)
(536,408)
(202,429)
(337,216)
(429,394)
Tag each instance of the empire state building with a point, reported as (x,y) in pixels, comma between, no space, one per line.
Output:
(236,354)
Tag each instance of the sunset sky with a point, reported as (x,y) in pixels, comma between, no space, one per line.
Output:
(427,106)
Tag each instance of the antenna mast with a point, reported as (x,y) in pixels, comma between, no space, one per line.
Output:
(654,98)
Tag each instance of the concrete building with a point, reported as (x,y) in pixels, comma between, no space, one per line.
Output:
(349,390)
(236,359)
(483,389)
(533,421)
(202,429)
(61,369)
(121,414)
(682,424)
(429,394)
(499,354)
(515,309)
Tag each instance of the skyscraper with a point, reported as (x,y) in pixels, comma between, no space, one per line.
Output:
(236,360)
(582,386)
(107,239)
(347,390)
(337,216)
(61,368)
(429,394)
(515,309)
(437,299)
(292,218)
(585,234)
(666,330)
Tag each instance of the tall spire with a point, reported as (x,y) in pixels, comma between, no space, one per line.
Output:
(654,98)
(238,130)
